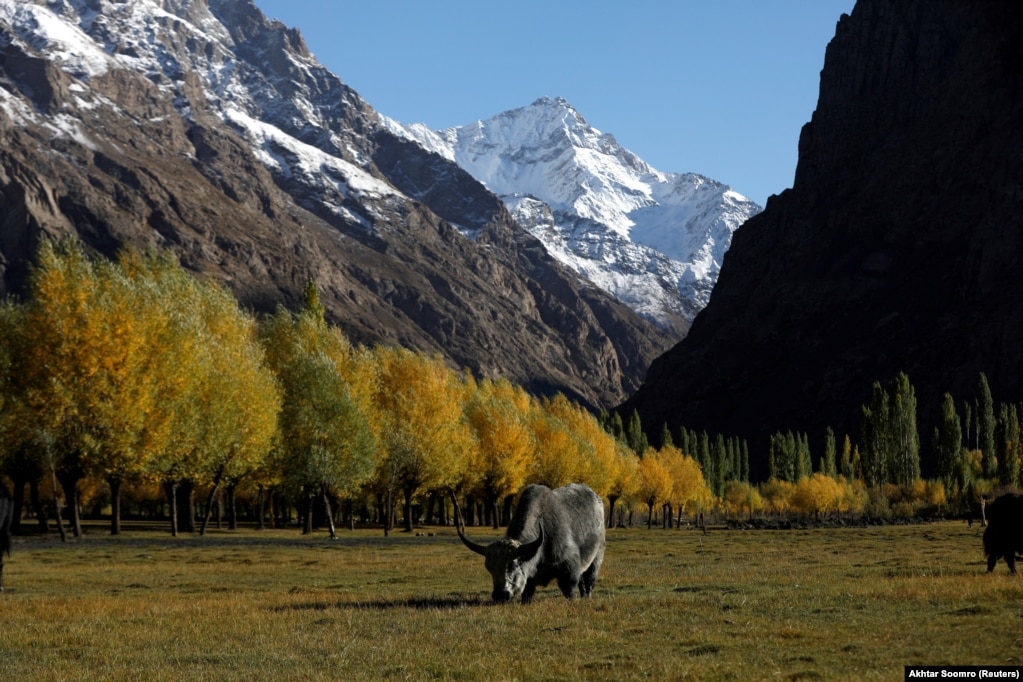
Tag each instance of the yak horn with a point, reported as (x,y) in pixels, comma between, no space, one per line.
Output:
(479,549)
(527,551)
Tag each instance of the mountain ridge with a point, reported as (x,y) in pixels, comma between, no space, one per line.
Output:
(652,239)
(203,128)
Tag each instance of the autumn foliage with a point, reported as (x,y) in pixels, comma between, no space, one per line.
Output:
(136,373)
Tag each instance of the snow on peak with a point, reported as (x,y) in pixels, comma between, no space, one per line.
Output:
(653,239)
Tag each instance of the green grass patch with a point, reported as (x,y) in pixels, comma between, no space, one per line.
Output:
(831,604)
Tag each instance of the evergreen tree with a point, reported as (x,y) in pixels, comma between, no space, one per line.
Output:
(804,462)
(1007,432)
(666,439)
(949,444)
(745,462)
(704,456)
(634,436)
(986,427)
(904,460)
(846,461)
(721,472)
(968,424)
(829,468)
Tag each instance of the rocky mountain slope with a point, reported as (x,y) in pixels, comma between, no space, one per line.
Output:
(653,240)
(202,127)
(899,246)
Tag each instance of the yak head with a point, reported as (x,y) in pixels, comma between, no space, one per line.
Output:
(509,561)
(506,560)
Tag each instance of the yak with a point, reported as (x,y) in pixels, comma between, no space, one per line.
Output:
(554,534)
(6,518)
(1003,537)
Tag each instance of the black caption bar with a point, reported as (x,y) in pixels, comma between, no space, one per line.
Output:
(964,672)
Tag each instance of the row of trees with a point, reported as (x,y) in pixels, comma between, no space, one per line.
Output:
(972,454)
(134,371)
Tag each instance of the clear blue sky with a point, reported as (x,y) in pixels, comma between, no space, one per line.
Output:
(717,87)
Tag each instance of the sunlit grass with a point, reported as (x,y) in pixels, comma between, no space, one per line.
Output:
(849,603)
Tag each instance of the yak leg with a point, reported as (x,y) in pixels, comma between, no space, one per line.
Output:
(1,572)
(589,579)
(568,585)
(529,591)
(1010,558)
(992,559)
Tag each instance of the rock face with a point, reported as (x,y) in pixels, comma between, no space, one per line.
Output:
(201,127)
(898,248)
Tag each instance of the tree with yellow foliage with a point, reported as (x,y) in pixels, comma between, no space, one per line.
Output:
(557,460)
(817,494)
(777,495)
(241,396)
(624,478)
(741,498)
(499,414)
(688,486)
(327,442)
(426,439)
(88,370)
(655,484)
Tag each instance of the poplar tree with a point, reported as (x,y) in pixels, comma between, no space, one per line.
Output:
(904,438)
(986,427)
(829,467)
(949,444)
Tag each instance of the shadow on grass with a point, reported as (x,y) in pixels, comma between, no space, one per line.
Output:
(415,604)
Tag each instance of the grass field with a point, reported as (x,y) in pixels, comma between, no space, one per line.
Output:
(842,603)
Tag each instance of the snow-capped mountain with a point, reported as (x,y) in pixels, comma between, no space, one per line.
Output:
(202,127)
(652,239)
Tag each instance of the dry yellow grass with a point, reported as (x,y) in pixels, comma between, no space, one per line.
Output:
(848,603)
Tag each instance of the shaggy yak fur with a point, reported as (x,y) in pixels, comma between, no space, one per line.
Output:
(6,517)
(554,535)
(1003,537)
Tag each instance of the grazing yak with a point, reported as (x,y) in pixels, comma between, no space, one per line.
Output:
(1003,537)
(6,518)
(554,534)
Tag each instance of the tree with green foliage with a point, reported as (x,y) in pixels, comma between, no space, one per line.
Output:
(327,442)
(948,444)
(875,437)
(986,427)
(904,439)
(634,435)
(829,465)
(1007,443)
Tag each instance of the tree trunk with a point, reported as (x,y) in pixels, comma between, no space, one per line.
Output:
(186,506)
(470,506)
(611,499)
(508,502)
(209,506)
(330,514)
(115,504)
(650,514)
(69,482)
(170,488)
(37,505)
(232,511)
(56,507)
(17,501)
(407,508)
(307,521)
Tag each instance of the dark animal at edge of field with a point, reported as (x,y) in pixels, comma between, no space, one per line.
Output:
(554,534)
(6,517)
(1003,537)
